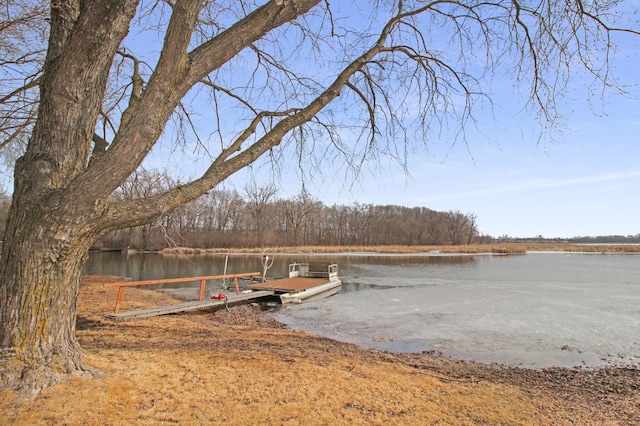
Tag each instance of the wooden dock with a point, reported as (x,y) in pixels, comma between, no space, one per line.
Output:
(305,281)
(232,299)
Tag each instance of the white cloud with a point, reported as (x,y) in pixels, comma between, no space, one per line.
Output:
(533,184)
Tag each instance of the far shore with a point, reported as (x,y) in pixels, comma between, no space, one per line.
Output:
(494,248)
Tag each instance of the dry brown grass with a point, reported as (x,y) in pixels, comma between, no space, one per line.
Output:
(227,368)
(500,248)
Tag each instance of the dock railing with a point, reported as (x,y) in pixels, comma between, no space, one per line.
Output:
(314,270)
(121,285)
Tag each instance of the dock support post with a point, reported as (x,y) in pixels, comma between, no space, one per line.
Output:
(235,282)
(119,299)
(203,282)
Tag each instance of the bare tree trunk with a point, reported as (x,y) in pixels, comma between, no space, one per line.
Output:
(40,273)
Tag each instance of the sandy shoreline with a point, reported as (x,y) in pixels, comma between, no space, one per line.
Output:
(241,367)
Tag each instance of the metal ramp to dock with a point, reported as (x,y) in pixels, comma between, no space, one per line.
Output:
(201,303)
(195,305)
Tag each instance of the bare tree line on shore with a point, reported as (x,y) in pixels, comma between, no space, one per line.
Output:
(259,217)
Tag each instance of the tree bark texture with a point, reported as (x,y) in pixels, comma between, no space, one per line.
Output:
(51,228)
(40,270)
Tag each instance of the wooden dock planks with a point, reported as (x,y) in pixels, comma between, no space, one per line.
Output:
(191,306)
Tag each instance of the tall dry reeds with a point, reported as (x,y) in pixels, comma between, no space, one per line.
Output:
(499,248)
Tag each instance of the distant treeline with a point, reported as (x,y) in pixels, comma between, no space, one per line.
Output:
(603,239)
(259,218)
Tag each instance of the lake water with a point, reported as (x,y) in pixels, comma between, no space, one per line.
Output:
(535,310)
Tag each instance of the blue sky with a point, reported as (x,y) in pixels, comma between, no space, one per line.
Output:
(586,182)
(583,179)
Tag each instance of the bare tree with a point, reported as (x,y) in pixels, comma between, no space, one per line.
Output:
(289,75)
(259,208)
(472,227)
(298,217)
(337,218)
(227,209)
(142,184)
(456,225)
(22,49)
(5,202)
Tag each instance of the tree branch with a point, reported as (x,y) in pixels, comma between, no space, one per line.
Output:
(176,73)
